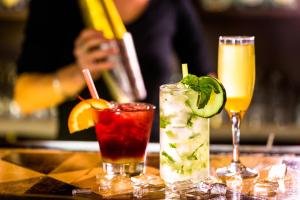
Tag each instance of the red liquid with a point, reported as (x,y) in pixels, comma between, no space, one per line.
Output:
(123,132)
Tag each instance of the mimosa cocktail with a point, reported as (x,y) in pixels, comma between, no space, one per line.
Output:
(236,70)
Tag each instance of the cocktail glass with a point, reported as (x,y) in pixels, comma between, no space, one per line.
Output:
(184,136)
(123,133)
(236,71)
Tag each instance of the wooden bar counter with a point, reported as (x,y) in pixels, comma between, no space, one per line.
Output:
(38,172)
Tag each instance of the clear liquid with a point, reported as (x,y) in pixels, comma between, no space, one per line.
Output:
(184,137)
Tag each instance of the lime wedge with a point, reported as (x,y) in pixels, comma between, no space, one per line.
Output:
(210,96)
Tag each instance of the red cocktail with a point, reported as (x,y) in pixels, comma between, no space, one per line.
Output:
(123,133)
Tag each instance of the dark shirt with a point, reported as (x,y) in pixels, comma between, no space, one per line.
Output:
(165,29)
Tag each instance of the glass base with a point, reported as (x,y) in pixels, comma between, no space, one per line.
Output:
(129,169)
(124,179)
(236,168)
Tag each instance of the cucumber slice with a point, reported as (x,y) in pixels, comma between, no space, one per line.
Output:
(210,98)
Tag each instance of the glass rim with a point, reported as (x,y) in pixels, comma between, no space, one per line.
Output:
(166,87)
(238,39)
(113,108)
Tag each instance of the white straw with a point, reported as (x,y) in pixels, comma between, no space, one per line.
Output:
(90,83)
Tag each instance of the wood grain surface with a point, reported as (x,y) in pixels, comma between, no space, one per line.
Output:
(53,174)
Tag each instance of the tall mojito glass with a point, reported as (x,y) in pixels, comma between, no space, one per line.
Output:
(184,136)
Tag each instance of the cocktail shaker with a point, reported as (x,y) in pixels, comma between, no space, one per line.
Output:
(124,81)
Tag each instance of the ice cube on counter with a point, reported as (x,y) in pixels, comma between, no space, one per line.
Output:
(265,188)
(218,188)
(181,185)
(277,172)
(203,187)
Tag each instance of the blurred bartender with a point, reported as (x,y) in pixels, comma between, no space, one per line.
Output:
(57,45)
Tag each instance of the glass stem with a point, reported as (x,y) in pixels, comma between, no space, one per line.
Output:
(236,120)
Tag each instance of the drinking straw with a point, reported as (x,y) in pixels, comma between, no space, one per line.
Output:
(90,83)
(80,98)
(185,71)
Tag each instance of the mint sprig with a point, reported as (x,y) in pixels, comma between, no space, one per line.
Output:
(165,154)
(203,85)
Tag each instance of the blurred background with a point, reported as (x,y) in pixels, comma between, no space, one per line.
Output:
(275,110)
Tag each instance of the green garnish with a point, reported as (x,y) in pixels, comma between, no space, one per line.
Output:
(173,145)
(180,171)
(189,121)
(185,71)
(165,154)
(204,87)
(163,122)
(193,156)
(210,95)
(170,134)
(194,135)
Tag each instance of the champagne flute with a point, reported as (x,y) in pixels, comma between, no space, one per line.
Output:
(236,70)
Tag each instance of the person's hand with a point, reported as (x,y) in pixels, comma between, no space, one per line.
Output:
(89,54)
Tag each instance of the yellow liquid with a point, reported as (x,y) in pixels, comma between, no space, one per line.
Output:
(236,70)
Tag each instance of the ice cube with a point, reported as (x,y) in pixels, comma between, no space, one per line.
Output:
(277,172)
(293,164)
(182,133)
(218,188)
(139,191)
(181,185)
(265,188)
(179,119)
(148,180)
(203,187)
(212,179)
(140,180)
(105,182)
(144,184)
(171,195)
(200,125)
(115,184)
(172,104)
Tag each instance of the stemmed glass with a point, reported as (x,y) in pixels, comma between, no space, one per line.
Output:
(236,70)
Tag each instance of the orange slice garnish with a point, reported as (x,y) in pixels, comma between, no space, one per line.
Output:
(82,115)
